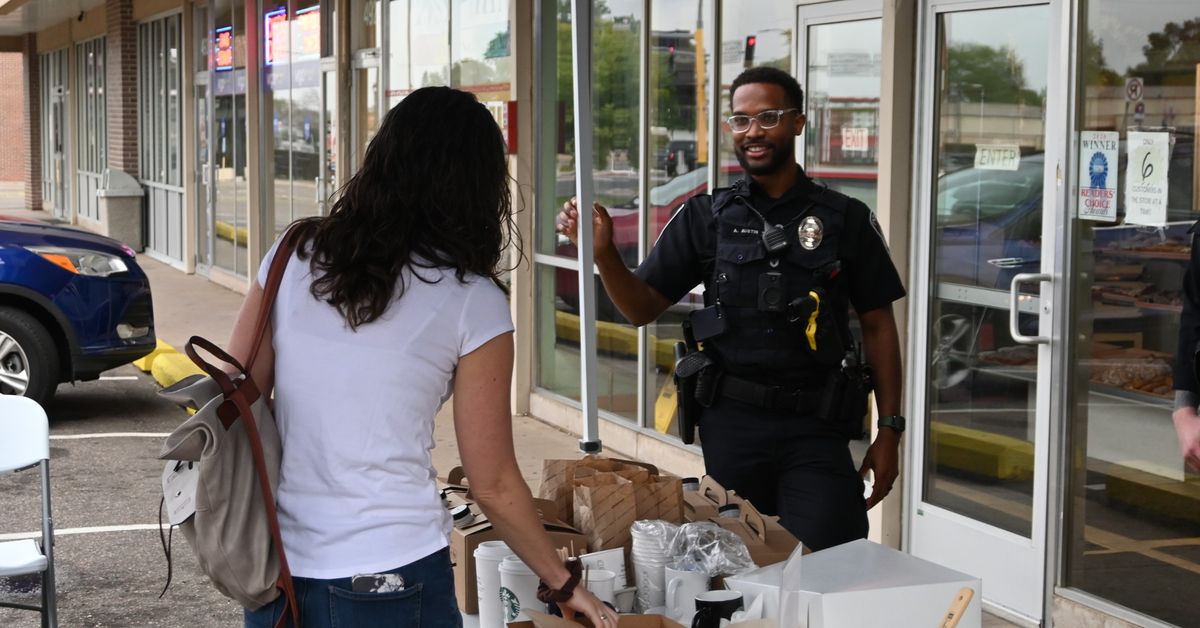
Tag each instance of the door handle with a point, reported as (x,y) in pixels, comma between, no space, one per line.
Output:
(1014,313)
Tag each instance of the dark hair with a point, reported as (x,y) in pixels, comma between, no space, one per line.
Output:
(432,192)
(774,76)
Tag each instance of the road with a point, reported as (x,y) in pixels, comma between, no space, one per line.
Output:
(100,477)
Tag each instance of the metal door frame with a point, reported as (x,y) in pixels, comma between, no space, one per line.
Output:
(1052,319)
(809,15)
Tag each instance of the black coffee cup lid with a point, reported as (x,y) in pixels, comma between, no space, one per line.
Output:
(728,508)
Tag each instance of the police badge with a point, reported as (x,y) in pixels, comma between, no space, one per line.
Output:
(811,232)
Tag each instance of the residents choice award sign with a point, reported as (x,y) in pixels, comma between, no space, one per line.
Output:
(1146,178)
(1098,152)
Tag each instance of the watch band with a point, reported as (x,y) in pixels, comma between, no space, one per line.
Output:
(894,421)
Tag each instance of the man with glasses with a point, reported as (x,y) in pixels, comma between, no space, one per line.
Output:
(773,366)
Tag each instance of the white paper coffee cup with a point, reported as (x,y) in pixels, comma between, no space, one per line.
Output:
(488,556)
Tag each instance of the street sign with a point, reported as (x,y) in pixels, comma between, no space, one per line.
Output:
(1134,87)
(1139,112)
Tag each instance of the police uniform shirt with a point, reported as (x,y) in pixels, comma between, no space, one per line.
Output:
(684,255)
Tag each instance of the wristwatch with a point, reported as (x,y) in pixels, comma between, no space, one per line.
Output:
(894,421)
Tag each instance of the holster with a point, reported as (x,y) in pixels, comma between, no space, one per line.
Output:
(844,405)
(688,366)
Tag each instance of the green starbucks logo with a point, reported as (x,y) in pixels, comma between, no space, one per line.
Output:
(511,604)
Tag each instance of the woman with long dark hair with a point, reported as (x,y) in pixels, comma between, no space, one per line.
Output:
(391,304)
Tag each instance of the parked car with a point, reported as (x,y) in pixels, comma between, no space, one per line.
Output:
(73,304)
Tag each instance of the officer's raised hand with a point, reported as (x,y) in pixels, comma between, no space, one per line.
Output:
(602,238)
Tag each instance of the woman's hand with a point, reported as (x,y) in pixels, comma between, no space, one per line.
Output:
(590,606)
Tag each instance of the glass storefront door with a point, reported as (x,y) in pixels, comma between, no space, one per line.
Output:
(55,135)
(840,56)
(1132,509)
(204,177)
(986,222)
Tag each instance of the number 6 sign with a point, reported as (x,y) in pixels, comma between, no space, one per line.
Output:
(1146,178)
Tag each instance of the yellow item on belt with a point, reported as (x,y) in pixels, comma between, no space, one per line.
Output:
(811,329)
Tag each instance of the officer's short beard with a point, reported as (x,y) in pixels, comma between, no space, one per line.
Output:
(781,157)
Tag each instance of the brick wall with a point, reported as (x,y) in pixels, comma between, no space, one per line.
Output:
(32,121)
(121,86)
(12,117)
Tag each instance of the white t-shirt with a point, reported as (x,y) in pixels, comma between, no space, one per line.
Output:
(355,409)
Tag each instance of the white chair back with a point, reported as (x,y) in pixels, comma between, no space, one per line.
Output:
(24,433)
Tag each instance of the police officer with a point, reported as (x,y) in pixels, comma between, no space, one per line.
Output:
(1187,422)
(781,259)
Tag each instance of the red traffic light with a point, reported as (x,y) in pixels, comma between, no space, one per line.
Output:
(751,40)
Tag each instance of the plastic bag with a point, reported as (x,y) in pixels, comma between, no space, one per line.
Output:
(705,546)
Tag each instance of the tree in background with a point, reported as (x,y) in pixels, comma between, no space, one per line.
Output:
(998,72)
(1171,55)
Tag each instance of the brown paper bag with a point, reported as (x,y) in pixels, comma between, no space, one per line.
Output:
(660,498)
(558,485)
(558,478)
(604,508)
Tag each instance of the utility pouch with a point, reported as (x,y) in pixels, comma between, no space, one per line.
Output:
(685,392)
(707,323)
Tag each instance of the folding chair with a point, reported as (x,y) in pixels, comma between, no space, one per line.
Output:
(25,444)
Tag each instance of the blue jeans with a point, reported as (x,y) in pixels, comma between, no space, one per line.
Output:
(427,601)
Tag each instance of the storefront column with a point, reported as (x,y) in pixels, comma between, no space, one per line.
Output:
(894,206)
(343,51)
(121,87)
(260,229)
(33,123)
(187,84)
(521,20)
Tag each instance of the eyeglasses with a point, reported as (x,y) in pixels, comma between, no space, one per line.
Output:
(768,119)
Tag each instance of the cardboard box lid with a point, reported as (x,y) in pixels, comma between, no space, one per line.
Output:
(542,620)
(859,566)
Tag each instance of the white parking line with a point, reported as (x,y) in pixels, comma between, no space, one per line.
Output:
(118,378)
(110,435)
(18,536)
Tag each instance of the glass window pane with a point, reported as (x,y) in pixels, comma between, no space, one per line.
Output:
(990,92)
(841,138)
(556,167)
(1131,509)
(399,82)
(762,37)
(429,43)
(481,51)
(558,346)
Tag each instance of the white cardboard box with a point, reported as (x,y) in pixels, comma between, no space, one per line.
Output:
(866,585)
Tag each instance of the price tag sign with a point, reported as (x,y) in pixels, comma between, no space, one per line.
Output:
(1146,178)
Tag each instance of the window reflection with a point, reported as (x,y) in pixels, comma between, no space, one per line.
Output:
(1133,519)
(616,63)
(761,37)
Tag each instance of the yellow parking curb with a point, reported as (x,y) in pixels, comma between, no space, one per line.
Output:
(170,368)
(984,453)
(226,231)
(1160,495)
(145,362)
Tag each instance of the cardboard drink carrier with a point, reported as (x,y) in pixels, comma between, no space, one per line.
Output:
(768,541)
(463,541)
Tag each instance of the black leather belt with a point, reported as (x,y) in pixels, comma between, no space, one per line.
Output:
(800,399)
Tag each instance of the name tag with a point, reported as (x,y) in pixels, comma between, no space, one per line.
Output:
(179,481)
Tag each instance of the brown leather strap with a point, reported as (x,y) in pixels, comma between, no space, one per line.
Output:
(264,484)
(274,277)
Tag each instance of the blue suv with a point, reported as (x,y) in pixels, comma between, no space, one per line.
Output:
(72,305)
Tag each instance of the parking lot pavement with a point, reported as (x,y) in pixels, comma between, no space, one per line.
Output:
(103,477)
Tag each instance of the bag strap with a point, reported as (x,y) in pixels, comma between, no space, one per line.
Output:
(279,263)
(291,610)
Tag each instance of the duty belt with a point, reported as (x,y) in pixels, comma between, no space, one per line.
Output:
(798,399)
